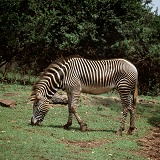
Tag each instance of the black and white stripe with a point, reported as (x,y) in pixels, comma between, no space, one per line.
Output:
(76,75)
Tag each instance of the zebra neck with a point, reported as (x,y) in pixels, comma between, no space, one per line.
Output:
(47,94)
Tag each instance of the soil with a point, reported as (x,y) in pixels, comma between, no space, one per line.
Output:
(150,145)
(85,144)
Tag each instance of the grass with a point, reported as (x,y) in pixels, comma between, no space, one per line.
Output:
(15,77)
(21,141)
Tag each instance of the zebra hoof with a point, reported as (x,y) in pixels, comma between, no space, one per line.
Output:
(130,131)
(66,127)
(83,127)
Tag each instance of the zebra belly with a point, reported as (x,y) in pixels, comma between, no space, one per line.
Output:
(96,89)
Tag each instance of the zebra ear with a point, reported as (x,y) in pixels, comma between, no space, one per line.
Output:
(32,98)
(38,97)
(35,97)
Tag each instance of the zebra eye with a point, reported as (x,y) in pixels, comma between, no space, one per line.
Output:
(36,104)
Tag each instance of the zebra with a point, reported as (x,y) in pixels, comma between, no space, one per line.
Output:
(76,75)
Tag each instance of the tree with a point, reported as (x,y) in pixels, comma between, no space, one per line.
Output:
(37,32)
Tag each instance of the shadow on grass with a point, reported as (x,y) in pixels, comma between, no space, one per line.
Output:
(88,130)
(146,108)
(151,111)
(154,121)
(101,130)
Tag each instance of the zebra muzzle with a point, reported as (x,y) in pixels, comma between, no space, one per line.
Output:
(35,122)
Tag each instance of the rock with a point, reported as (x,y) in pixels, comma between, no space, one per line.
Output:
(60,98)
(8,103)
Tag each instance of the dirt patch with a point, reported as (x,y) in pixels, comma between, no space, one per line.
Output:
(85,144)
(150,145)
(11,94)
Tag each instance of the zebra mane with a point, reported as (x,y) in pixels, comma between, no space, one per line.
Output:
(58,62)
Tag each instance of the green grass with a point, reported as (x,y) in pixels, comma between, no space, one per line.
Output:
(21,141)
(15,77)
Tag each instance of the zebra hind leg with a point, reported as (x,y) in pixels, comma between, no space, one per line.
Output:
(132,119)
(127,106)
(119,132)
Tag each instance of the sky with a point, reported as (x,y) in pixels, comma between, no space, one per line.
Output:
(155,4)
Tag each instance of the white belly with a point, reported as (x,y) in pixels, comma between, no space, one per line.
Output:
(96,89)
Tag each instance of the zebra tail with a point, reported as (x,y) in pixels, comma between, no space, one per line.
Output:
(135,95)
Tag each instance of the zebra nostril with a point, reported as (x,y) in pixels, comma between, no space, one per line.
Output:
(32,123)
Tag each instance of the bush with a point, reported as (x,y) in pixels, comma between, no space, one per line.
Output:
(37,32)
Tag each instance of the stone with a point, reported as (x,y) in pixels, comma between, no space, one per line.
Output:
(8,103)
(60,98)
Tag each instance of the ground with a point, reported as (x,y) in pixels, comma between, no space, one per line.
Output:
(150,145)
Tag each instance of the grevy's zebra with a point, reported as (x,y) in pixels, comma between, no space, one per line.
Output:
(76,75)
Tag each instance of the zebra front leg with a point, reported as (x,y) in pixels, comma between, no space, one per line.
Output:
(74,100)
(73,97)
(69,123)
(83,125)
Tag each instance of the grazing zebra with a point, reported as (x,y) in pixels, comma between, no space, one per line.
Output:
(76,75)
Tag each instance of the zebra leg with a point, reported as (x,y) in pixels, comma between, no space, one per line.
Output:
(131,109)
(127,106)
(132,119)
(73,99)
(122,127)
(69,123)
(126,102)
(83,125)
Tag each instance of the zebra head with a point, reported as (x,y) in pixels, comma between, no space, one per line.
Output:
(40,109)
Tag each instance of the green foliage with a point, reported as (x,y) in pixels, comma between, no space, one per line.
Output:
(14,74)
(37,32)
